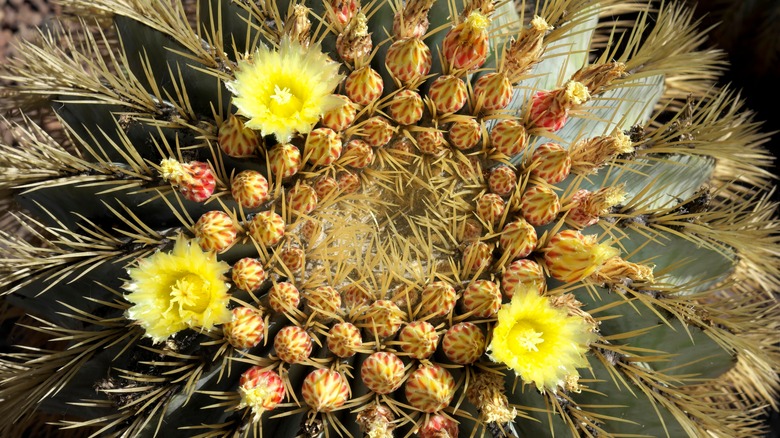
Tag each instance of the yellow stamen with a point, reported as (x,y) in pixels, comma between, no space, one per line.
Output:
(576,93)
(526,337)
(173,171)
(477,21)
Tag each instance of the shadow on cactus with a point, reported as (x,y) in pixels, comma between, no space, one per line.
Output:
(382,219)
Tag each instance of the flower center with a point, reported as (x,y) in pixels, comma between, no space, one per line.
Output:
(524,336)
(283,102)
(191,293)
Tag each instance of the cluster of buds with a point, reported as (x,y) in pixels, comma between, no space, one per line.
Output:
(449,119)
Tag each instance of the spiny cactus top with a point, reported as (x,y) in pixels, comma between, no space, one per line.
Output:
(234,218)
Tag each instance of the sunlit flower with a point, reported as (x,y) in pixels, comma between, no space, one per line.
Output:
(172,291)
(543,344)
(287,90)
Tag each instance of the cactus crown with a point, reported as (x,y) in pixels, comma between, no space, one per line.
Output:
(253,218)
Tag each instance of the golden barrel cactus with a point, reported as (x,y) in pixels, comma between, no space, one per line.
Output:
(346,218)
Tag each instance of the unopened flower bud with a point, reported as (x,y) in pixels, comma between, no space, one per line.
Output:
(550,109)
(523,274)
(377,131)
(490,208)
(551,162)
(448,94)
(292,259)
(482,298)
(261,390)
(408,60)
(509,137)
(540,205)
(357,154)
(431,142)
(323,146)
(518,239)
(292,344)
(246,328)
(437,299)
(250,189)
(430,388)
(493,91)
(466,44)
(215,231)
(364,85)
(406,107)
(302,199)
(382,372)
(476,256)
(285,160)
(324,390)
(465,134)
(344,339)
(571,256)
(194,180)
(235,139)
(283,296)
(340,117)
(464,343)
(502,181)
(419,339)
(248,274)
(267,228)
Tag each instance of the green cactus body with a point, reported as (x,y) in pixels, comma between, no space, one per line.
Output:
(382,219)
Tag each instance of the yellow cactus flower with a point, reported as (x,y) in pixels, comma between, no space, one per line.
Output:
(287,90)
(182,289)
(543,344)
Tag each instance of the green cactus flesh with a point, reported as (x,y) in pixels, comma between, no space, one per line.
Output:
(620,286)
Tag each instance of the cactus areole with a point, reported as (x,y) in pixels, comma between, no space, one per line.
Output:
(392,218)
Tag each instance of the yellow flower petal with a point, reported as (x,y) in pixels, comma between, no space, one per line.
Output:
(182,289)
(286,91)
(543,344)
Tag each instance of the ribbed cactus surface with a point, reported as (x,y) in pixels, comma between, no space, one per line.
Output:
(335,218)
